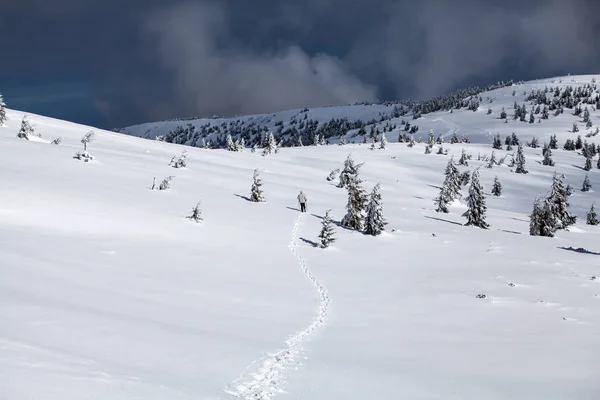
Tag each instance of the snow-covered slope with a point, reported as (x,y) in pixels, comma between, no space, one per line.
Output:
(107,291)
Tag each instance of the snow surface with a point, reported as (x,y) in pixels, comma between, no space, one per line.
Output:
(107,291)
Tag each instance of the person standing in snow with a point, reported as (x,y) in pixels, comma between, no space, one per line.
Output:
(302,201)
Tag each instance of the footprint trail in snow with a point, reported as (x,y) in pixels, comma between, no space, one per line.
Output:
(264,381)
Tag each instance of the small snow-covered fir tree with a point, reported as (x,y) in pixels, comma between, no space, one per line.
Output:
(181,161)
(229,143)
(87,138)
(26,130)
(463,159)
(592,217)
(342,141)
(451,188)
(299,142)
(492,161)
(476,207)
(497,187)
(166,183)
(548,158)
(428,149)
(520,161)
(575,127)
(586,184)
(2,110)
(351,169)
(333,174)
(553,142)
(322,141)
(497,142)
(559,203)
(588,163)
(375,221)
(196,215)
(327,234)
(57,141)
(270,145)
(256,193)
(383,143)
(357,201)
(541,219)
(535,142)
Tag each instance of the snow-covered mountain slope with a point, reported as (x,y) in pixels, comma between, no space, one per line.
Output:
(107,291)
(446,116)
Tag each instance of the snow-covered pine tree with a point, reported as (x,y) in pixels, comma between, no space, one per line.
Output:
(384,142)
(229,144)
(270,145)
(357,201)
(166,183)
(520,161)
(322,141)
(431,140)
(548,158)
(375,221)
(492,161)
(196,215)
(57,141)
(463,159)
(497,142)
(535,143)
(411,142)
(575,127)
(559,203)
(503,114)
(588,163)
(586,184)
(256,193)
(299,142)
(180,162)
(87,138)
(2,110)
(327,234)
(476,207)
(497,187)
(333,174)
(350,170)
(342,141)
(592,217)
(26,129)
(451,187)
(541,219)
(428,150)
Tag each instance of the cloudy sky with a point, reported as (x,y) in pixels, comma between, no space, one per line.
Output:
(114,63)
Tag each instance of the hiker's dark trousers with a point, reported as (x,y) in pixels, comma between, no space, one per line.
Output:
(303,207)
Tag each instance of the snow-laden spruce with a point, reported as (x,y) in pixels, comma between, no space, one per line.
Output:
(463,159)
(451,188)
(559,202)
(375,221)
(181,161)
(496,187)
(548,157)
(476,208)
(256,193)
(357,202)
(166,183)
(85,140)
(26,130)
(333,174)
(520,161)
(327,234)
(196,215)
(592,217)
(587,185)
(384,142)
(270,145)
(350,171)
(541,220)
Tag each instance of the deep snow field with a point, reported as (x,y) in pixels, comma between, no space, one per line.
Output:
(108,292)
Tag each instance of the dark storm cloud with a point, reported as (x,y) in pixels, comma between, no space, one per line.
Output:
(153,59)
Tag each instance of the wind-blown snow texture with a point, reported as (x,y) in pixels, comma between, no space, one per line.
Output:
(108,291)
